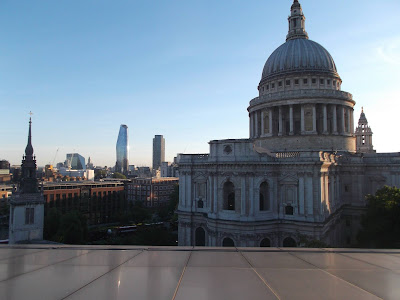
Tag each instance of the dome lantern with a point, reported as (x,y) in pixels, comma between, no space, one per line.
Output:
(296,23)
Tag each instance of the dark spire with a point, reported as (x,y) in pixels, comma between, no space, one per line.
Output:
(29,148)
(297,26)
(29,182)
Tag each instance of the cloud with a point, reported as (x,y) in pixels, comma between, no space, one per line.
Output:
(389,51)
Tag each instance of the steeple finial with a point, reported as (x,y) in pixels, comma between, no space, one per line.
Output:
(296,23)
(29,148)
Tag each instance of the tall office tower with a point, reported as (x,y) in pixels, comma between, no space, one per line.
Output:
(122,163)
(158,151)
(75,161)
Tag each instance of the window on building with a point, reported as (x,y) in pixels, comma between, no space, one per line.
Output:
(200,237)
(321,81)
(229,196)
(314,81)
(305,80)
(328,81)
(273,85)
(280,83)
(267,87)
(265,243)
(29,215)
(200,203)
(228,242)
(287,82)
(296,81)
(289,210)
(264,196)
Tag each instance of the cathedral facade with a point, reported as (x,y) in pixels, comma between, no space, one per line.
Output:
(304,172)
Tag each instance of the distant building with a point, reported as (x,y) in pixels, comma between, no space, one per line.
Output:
(89,164)
(5,176)
(152,192)
(169,169)
(158,151)
(27,204)
(99,201)
(122,148)
(75,161)
(86,174)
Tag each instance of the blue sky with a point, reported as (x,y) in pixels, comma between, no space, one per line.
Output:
(184,69)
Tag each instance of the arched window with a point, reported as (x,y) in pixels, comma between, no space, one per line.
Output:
(264,196)
(227,242)
(200,237)
(289,242)
(229,196)
(265,243)
(289,210)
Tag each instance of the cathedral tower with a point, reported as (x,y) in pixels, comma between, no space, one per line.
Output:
(364,135)
(27,204)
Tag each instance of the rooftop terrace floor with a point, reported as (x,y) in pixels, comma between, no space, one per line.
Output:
(124,272)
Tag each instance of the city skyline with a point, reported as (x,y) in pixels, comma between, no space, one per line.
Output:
(185,71)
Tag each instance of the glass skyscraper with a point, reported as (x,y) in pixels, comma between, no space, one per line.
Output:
(122,148)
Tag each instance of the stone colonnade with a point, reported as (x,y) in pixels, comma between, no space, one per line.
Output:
(302,119)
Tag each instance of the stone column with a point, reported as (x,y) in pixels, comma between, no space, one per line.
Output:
(280,122)
(188,189)
(301,195)
(210,192)
(270,121)
(250,126)
(314,113)
(215,196)
(334,118)
(348,120)
(262,123)
(352,121)
(342,116)
(243,196)
(251,197)
(291,119)
(302,119)
(325,123)
(182,191)
(309,195)
(256,123)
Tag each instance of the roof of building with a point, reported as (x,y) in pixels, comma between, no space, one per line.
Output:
(299,55)
(125,272)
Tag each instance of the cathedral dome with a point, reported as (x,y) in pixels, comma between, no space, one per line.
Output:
(299,55)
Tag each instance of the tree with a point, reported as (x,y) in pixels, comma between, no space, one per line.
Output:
(98,174)
(51,224)
(72,229)
(119,175)
(381,223)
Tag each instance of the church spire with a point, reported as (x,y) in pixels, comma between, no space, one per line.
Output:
(297,28)
(29,182)
(364,135)
(29,148)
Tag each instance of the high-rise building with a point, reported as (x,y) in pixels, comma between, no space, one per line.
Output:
(122,148)
(27,204)
(158,151)
(75,161)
